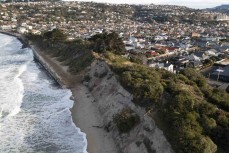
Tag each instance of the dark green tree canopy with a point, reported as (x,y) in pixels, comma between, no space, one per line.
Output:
(56,35)
(107,42)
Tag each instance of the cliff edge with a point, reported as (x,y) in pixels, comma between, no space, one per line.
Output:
(111,99)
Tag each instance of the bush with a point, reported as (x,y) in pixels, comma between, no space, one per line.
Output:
(195,76)
(56,35)
(126,120)
(143,83)
(78,64)
(220,98)
(227,90)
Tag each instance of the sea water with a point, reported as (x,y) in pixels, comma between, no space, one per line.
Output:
(34,110)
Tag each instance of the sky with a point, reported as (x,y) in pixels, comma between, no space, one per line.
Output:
(189,3)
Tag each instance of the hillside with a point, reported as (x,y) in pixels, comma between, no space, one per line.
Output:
(134,100)
(221,9)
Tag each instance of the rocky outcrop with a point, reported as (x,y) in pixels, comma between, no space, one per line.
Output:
(111,98)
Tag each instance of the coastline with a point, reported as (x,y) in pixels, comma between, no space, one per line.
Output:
(85,114)
(18,36)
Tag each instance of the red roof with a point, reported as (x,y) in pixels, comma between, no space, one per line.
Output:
(152,52)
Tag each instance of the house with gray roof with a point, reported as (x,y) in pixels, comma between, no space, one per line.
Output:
(221,74)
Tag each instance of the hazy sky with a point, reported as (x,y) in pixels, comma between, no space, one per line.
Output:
(189,3)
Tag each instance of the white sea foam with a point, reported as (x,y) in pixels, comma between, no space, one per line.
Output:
(35,115)
(11,87)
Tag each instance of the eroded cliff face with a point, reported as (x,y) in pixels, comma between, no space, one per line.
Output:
(111,98)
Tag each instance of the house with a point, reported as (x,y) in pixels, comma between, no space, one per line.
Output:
(180,61)
(138,45)
(194,64)
(171,50)
(194,34)
(201,55)
(133,39)
(21,30)
(211,52)
(5,27)
(222,49)
(167,66)
(192,57)
(152,53)
(221,74)
(36,32)
(211,43)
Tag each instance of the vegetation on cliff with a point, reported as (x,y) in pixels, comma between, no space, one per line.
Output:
(126,120)
(195,116)
(104,42)
(75,54)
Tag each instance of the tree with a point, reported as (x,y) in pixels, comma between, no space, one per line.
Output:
(107,42)
(56,35)
(126,120)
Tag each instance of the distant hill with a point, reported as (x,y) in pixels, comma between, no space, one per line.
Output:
(9,1)
(226,6)
(222,9)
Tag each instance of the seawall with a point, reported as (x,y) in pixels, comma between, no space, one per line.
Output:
(36,55)
(51,72)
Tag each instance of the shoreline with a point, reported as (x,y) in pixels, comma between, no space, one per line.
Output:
(18,36)
(85,114)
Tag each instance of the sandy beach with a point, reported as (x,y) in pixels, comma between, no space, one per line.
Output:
(84,113)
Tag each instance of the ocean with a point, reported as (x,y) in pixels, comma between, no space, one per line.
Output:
(34,109)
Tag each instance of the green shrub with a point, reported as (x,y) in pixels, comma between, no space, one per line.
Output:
(80,63)
(126,120)
(195,76)
(227,89)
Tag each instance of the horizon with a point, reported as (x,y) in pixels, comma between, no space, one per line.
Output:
(196,4)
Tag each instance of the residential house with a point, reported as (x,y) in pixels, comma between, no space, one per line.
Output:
(167,66)
(221,74)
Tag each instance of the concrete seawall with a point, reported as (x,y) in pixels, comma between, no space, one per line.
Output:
(37,57)
(51,72)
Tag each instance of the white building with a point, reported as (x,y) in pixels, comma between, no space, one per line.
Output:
(21,30)
(222,17)
(167,66)
(5,27)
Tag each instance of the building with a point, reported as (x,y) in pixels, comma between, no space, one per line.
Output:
(222,17)
(21,30)
(221,74)
(5,27)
